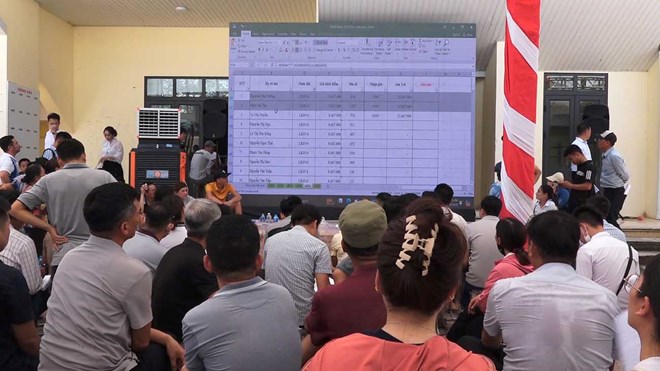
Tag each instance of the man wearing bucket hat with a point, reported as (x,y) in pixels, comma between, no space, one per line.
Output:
(352,306)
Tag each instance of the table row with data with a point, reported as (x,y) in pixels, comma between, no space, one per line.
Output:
(309,180)
(381,153)
(339,115)
(338,142)
(348,163)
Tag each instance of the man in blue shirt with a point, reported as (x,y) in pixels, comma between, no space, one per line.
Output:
(614,175)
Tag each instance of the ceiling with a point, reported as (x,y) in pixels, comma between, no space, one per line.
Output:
(584,35)
(162,13)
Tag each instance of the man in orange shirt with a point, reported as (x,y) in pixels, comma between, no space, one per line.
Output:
(223,193)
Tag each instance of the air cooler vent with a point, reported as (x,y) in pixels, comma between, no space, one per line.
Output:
(158,123)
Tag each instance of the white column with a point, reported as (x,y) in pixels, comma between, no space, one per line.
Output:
(3,79)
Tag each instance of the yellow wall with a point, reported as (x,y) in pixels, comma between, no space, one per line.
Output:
(489,123)
(22,20)
(56,68)
(109,74)
(653,153)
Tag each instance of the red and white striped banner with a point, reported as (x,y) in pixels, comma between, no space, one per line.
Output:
(521,62)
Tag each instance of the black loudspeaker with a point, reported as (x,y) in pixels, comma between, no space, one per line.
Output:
(596,111)
(214,118)
(598,125)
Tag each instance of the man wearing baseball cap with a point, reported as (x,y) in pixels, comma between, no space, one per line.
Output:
(614,175)
(224,194)
(201,165)
(561,194)
(354,305)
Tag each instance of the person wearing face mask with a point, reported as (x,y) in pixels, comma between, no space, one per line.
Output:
(604,259)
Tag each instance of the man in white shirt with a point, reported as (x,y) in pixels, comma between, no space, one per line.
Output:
(179,232)
(53,128)
(145,245)
(604,259)
(51,152)
(552,318)
(483,251)
(286,208)
(582,141)
(8,165)
(445,195)
(201,167)
(602,204)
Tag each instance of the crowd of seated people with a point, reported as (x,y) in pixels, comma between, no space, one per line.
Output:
(153,279)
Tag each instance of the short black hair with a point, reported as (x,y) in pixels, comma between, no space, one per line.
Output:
(23,160)
(62,135)
(162,192)
(583,127)
(32,173)
(600,203)
(651,289)
(548,190)
(158,215)
(359,252)
(446,193)
(305,214)
(6,141)
(491,205)
(175,207)
(611,137)
(179,186)
(589,215)
(109,205)
(430,194)
(573,148)
(110,130)
(70,149)
(288,204)
(10,195)
(556,235)
(383,196)
(395,206)
(4,211)
(233,245)
(53,116)
(498,170)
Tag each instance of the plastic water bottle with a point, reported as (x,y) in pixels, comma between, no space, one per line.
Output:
(262,218)
(276,219)
(269,218)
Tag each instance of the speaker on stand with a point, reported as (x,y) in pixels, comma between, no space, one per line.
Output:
(214,124)
(597,116)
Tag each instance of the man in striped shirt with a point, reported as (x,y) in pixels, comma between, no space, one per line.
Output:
(295,259)
(21,254)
